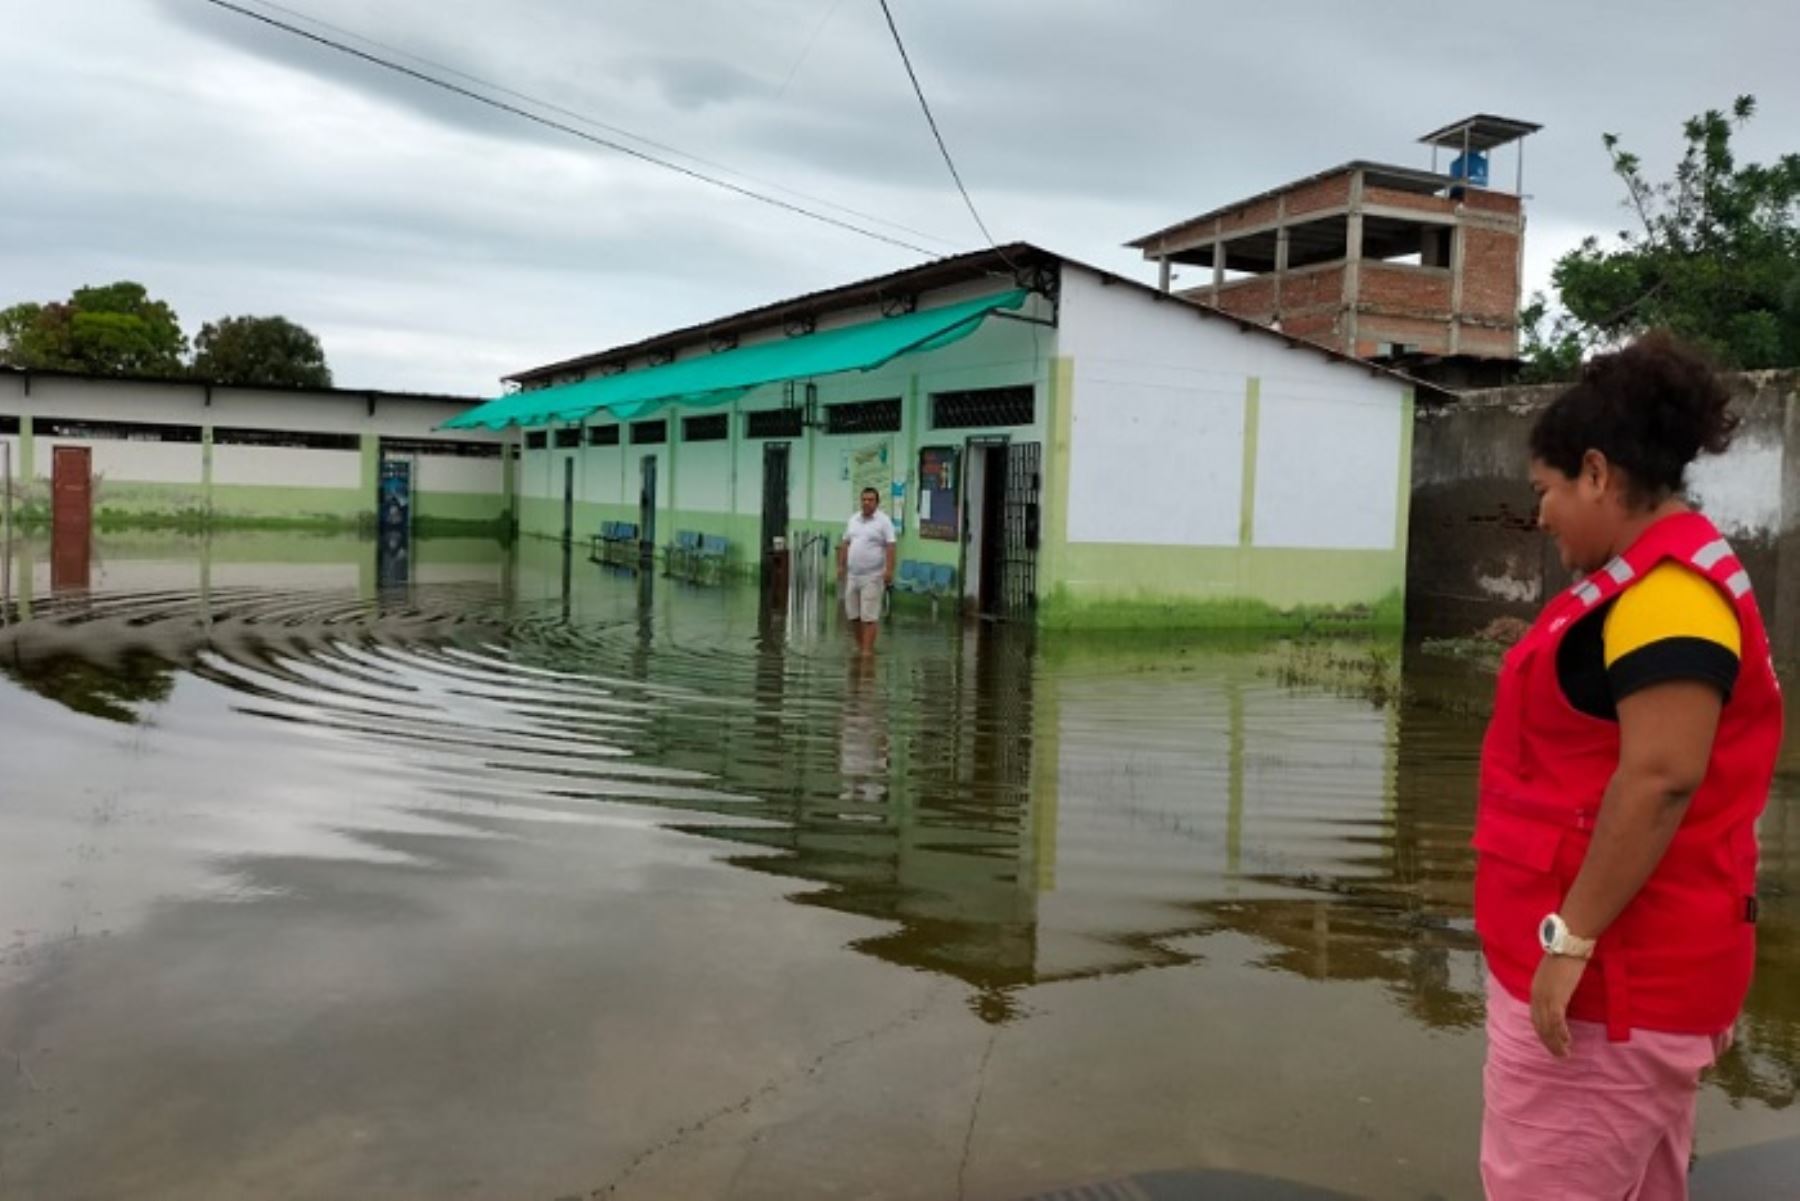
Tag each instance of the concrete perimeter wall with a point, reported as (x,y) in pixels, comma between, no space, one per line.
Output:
(1475,550)
(185,454)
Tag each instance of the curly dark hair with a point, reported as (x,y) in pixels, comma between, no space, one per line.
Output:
(1651,409)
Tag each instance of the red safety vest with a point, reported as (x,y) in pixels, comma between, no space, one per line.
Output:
(1679,957)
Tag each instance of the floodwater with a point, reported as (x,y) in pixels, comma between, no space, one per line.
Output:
(485,876)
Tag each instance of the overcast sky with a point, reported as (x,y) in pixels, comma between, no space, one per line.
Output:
(436,245)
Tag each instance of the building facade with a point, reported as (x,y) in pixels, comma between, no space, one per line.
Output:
(1085,452)
(190,454)
(1379,261)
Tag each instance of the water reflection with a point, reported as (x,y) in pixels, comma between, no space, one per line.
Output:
(1008,815)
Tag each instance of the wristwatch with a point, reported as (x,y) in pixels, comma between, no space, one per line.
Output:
(1556,939)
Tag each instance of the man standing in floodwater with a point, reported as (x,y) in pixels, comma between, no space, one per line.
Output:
(866,567)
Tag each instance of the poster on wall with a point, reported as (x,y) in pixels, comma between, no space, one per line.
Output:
(938,510)
(871,467)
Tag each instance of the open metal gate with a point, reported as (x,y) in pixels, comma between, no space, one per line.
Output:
(1024,480)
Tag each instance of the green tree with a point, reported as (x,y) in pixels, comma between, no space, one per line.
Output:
(1716,260)
(263,351)
(112,330)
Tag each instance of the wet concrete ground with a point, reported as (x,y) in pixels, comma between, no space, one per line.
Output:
(317,882)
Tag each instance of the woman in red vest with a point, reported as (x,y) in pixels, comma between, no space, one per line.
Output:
(1634,737)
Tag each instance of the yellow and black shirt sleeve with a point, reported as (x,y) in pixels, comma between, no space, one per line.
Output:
(1672,625)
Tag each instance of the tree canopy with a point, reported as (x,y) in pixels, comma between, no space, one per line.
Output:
(120,330)
(112,330)
(1715,258)
(269,351)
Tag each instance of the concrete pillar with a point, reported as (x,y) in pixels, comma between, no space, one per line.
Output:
(1353,249)
(1456,282)
(1218,267)
(1281,265)
(1281,252)
(1162,273)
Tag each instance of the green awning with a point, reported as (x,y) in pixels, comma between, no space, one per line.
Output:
(723,377)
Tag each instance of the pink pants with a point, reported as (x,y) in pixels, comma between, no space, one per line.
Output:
(1612,1122)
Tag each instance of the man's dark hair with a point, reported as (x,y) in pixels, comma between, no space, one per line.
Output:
(1651,409)
(875,492)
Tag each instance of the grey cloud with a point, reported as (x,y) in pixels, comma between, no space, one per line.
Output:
(430,221)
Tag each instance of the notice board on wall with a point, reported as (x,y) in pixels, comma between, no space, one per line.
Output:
(939,512)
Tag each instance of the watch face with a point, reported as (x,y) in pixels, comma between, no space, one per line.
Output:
(1547,932)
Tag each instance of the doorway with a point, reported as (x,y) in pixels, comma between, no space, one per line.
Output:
(774,494)
(71,516)
(647,509)
(569,500)
(1001,486)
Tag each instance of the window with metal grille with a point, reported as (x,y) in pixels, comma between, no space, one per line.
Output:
(983,407)
(863,417)
(774,423)
(648,433)
(441,446)
(536,439)
(603,435)
(114,431)
(291,439)
(714,427)
(569,439)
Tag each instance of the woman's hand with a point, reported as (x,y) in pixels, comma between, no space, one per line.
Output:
(1551,988)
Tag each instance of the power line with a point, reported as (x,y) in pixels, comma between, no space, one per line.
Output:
(596,123)
(932,121)
(807,49)
(642,156)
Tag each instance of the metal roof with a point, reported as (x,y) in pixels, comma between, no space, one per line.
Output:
(1485,131)
(1007,262)
(193,382)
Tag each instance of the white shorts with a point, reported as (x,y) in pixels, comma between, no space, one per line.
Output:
(862,596)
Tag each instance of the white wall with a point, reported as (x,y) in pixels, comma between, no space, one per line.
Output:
(1158,423)
(126,462)
(251,408)
(454,473)
(1157,419)
(602,475)
(1328,462)
(287,466)
(705,477)
(1740,491)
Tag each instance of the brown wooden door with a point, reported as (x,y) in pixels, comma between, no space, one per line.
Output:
(71,517)
(71,488)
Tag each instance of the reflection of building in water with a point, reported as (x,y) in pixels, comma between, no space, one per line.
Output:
(157,602)
(1036,827)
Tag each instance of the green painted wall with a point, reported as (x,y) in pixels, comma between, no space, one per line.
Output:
(1121,586)
(458,506)
(1082,585)
(1125,586)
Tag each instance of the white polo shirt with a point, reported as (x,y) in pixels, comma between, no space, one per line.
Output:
(869,538)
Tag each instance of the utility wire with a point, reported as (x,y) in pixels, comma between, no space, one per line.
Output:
(932,121)
(807,49)
(457,89)
(596,123)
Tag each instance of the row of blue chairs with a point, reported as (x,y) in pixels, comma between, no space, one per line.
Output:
(925,579)
(696,556)
(617,542)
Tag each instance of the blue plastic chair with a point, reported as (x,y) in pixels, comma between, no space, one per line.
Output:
(911,577)
(943,579)
(713,548)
